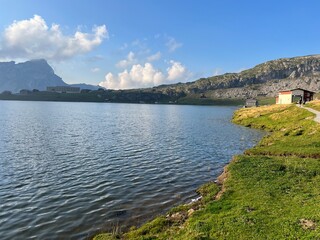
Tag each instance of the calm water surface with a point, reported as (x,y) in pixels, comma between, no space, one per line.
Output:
(68,170)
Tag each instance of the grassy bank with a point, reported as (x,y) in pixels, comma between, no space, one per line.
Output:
(314,104)
(272,191)
(209,101)
(196,100)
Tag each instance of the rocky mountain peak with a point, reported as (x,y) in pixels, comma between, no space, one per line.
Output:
(33,74)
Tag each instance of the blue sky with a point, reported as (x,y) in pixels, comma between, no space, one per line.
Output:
(126,43)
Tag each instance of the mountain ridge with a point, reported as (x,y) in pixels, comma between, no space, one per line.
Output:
(264,79)
(33,74)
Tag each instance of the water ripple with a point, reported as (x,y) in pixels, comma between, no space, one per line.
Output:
(68,170)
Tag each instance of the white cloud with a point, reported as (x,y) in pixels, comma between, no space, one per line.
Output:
(176,70)
(172,44)
(154,57)
(129,61)
(95,70)
(33,38)
(141,76)
(138,77)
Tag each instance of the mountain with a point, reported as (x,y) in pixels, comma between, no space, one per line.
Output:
(34,74)
(265,79)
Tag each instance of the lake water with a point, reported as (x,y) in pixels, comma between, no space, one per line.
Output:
(69,170)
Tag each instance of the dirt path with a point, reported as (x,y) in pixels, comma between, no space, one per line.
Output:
(317,113)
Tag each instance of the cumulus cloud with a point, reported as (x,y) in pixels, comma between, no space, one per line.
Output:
(172,44)
(33,38)
(129,61)
(154,57)
(176,71)
(140,76)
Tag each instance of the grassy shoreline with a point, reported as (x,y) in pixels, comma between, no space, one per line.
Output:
(272,191)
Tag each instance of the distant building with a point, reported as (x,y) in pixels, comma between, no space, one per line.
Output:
(64,89)
(85,91)
(25,92)
(251,103)
(294,96)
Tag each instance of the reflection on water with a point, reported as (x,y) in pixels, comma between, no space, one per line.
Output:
(68,170)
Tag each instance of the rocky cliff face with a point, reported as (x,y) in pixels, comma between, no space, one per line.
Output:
(265,79)
(35,74)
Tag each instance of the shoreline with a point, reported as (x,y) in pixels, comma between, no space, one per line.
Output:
(174,213)
(193,102)
(246,183)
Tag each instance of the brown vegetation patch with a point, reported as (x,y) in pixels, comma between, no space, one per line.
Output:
(308,224)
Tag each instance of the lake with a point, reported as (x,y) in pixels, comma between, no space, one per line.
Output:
(69,170)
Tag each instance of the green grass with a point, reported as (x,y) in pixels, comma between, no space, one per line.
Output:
(196,100)
(314,104)
(266,198)
(266,101)
(294,131)
(270,192)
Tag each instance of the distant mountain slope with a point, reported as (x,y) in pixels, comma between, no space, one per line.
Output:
(35,74)
(264,79)
(85,86)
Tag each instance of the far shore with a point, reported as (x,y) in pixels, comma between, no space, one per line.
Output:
(132,96)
